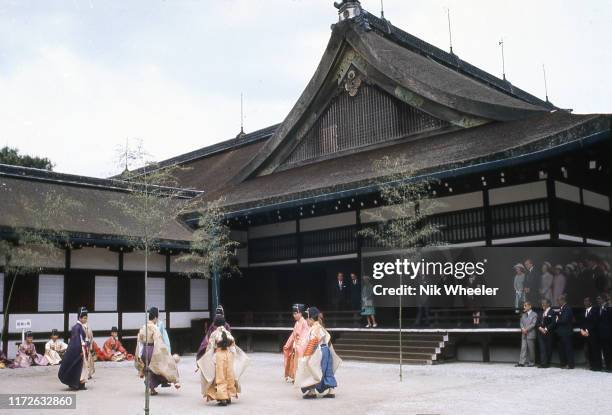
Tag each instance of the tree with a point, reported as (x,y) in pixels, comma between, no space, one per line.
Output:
(153,203)
(12,157)
(39,238)
(213,252)
(403,222)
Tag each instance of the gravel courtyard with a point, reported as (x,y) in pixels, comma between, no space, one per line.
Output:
(364,388)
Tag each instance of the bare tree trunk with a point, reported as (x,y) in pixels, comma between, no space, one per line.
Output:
(147,391)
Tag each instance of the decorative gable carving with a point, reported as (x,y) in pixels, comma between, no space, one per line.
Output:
(361,115)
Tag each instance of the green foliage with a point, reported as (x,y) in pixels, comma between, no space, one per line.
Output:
(402,223)
(12,157)
(212,248)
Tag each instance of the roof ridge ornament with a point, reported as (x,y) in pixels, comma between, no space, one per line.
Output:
(352,10)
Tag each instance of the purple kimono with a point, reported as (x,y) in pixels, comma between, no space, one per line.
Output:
(27,356)
(204,344)
(72,363)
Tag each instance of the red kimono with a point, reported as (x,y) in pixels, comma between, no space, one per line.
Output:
(114,350)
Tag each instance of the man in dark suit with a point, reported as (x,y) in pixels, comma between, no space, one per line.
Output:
(563,330)
(532,283)
(546,326)
(588,330)
(355,290)
(604,329)
(340,292)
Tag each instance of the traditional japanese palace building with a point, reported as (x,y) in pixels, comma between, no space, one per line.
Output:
(511,170)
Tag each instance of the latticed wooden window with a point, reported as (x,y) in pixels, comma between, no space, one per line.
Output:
(350,122)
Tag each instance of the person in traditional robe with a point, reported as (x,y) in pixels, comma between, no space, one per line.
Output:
(99,353)
(296,343)
(204,343)
(162,329)
(114,349)
(316,369)
(55,348)
(77,367)
(153,359)
(4,361)
(221,366)
(27,355)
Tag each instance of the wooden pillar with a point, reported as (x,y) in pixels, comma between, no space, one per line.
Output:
(553,216)
(298,242)
(487,217)
(119,311)
(67,259)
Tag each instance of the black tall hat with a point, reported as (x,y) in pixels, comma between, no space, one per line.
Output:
(153,313)
(54,332)
(114,328)
(29,334)
(82,312)
(298,308)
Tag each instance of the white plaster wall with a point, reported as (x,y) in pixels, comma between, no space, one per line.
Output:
(274,229)
(94,258)
(567,192)
(182,319)
(328,221)
(596,200)
(135,261)
(181,266)
(41,322)
(518,193)
(453,203)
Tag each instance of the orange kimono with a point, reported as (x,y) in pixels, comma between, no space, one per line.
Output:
(294,347)
(116,351)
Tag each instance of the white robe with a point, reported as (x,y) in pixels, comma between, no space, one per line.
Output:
(206,363)
(54,351)
(309,370)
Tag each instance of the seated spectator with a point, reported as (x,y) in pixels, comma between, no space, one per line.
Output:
(55,348)
(114,349)
(26,354)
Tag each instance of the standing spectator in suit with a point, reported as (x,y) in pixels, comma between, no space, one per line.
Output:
(546,326)
(340,292)
(604,329)
(588,330)
(355,290)
(563,330)
(532,282)
(528,336)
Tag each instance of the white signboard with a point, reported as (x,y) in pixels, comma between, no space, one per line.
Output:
(23,324)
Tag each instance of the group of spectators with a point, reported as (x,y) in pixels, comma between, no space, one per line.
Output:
(578,279)
(348,295)
(551,325)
